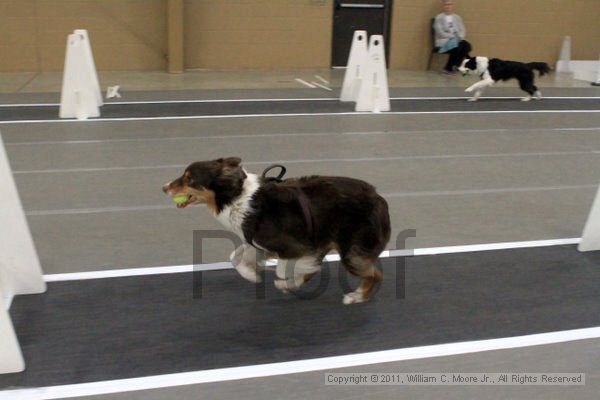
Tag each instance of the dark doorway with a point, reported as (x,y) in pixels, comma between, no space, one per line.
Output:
(373,16)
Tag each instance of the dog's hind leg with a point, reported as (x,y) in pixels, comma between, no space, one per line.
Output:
(294,273)
(365,269)
(526,84)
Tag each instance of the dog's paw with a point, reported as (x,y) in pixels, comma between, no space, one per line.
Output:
(473,99)
(469,89)
(526,99)
(538,95)
(236,256)
(248,273)
(354,298)
(282,285)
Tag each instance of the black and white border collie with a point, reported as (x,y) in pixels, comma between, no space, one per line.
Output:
(297,221)
(493,70)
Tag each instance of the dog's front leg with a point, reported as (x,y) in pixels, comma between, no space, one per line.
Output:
(292,274)
(476,96)
(478,88)
(247,260)
(471,88)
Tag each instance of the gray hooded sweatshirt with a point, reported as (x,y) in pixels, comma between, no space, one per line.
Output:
(445,30)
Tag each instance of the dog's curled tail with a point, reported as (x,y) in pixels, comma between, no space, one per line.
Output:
(540,66)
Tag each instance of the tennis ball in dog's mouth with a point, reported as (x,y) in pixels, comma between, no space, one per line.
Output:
(181,199)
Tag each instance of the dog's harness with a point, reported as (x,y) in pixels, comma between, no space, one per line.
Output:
(302,198)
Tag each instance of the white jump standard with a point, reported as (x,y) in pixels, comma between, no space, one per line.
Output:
(81,97)
(590,239)
(355,67)
(20,271)
(365,81)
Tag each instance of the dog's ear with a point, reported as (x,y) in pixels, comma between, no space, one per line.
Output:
(232,162)
(230,166)
(229,177)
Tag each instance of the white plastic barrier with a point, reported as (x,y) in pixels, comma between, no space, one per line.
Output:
(597,82)
(20,271)
(81,97)
(357,61)
(584,70)
(590,239)
(374,93)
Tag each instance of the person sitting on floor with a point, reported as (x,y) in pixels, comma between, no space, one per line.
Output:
(450,36)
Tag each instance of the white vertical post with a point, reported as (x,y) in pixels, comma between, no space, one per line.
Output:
(590,239)
(79,96)
(20,270)
(355,67)
(564,61)
(374,92)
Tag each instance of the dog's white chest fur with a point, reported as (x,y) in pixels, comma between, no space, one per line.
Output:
(232,216)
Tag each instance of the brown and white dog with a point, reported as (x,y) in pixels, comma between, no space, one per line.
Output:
(297,220)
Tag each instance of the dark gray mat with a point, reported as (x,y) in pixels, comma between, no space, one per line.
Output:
(139,326)
(329,106)
(195,94)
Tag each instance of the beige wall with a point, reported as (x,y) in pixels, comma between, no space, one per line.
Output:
(229,34)
(512,29)
(258,33)
(125,34)
(232,34)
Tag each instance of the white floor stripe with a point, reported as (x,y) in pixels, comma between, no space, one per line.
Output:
(300,366)
(169,139)
(512,130)
(316,134)
(285,115)
(75,211)
(314,161)
(576,129)
(488,247)
(100,210)
(121,273)
(487,191)
(192,101)
(70,170)
(176,269)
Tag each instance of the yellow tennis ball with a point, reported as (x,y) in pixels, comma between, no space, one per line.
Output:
(181,199)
